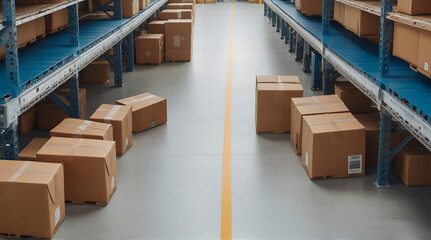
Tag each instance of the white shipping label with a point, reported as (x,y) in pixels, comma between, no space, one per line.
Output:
(177,41)
(126,142)
(153,123)
(426,66)
(354,164)
(112,182)
(179,14)
(57,215)
(147,53)
(306,159)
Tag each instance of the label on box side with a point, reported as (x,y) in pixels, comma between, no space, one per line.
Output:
(177,41)
(147,53)
(426,66)
(306,159)
(112,183)
(179,14)
(126,142)
(153,123)
(57,215)
(354,164)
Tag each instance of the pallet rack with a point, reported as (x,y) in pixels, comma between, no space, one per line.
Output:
(398,91)
(34,72)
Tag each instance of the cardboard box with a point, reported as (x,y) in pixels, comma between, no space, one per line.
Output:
(156,27)
(189,6)
(414,7)
(148,111)
(121,119)
(149,49)
(66,91)
(56,21)
(178,35)
(142,4)
(176,14)
(273,108)
(371,122)
(97,72)
(78,128)
(209,1)
(26,33)
(90,168)
(178,27)
(27,120)
(333,146)
(182,1)
(40,30)
(277,79)
(406,43)
(310,7)
(174,55)
(424,57)
(360,22)
(311,106)
(339,12)
(352,97)
(49,116)
(32,199)
(178,41)
(414,166)
(129,8)
(29,152)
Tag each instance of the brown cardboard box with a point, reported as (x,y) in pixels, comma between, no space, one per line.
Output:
(142,4)
(156,27)
(149,49)
(352,97)
(252,1)
(148,111)
(90,168)
(360,22)
(311,106)
(29,152)
(414,7)
(424,58)
(178,27)
(26,33)
(56,21)
(414,166)
(371,122)
(333,146)
(32,199)
(182,1)
(174,55)
(78,128)
(176,14)
(178,41)
(27,120)
(273,106)
(200,1)
(277,79)
(39,24)
(209,1)
(189,6)
(49,116)
(406,43)
(339,12)
(98,72)
(129,8)
(121,119)
(310,7)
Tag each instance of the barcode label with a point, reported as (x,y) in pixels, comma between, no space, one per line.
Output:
(354,164)
(57,215)
(306,159)
(126,143)
(426,66)
(112,183)
(153,123)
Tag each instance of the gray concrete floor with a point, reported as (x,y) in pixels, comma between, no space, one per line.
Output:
(169,182)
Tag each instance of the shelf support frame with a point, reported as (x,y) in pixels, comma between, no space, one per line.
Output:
(128,46)
(9,141)
(326,16)
(11,47)
(299,48)
(72,105)
(307,58)
(316,73)
(73,24)
(386,31)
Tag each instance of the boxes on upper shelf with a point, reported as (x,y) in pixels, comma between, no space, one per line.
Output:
(149,49)
(97,72)
(352,97)
(414,7)
(414,166)
(29,152)
(333,146)
(362,23)
(310,7)
(56,21)
(32,199)
(311,106)
(148,110)
(156,27)
(78,128)
(90,168)
(121,119)
(273,107)
(129,8)
(27,120)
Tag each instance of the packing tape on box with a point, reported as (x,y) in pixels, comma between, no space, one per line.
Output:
(111,114)
(332,121)
(177,41)
(19,172)
(81,127)
(139,100)
(179,14)
(25,171)
(76,145)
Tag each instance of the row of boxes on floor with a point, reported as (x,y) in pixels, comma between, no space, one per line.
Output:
(338,135)
(76,165)
(410,41)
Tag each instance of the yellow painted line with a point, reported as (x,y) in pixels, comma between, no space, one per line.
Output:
(226,200)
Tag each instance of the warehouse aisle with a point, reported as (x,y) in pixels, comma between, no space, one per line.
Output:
(169,182)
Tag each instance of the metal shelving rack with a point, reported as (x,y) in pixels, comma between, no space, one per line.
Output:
(23,88)
(378,85)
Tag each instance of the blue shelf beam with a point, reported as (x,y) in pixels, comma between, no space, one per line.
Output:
(118,65)
(316,73)
(384,149)
(307,58)
(129,50)
(299,48)
(73,24)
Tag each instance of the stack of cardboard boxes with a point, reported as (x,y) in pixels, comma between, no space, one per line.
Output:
(178,40)
(309,7)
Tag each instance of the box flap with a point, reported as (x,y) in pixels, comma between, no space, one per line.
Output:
(277,78)
(319,104)
(27,171)
(29,152)
(279,87)
(109,112)
(78,127)
(140,101)
(332,122)
(59,146)
(150,36)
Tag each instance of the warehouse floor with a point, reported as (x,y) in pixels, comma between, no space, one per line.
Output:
(169,182)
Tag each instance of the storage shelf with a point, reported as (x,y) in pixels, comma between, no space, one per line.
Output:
(27,13)
(408,94)
(422,22)
(367,6)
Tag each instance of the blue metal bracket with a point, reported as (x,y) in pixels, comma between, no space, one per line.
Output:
(278,20)
(4,35)
(9,141)
(401,145)
(299,48)
(72,105)
(316,73)
(384,149)
(330,76)
(283,29)
(269,13)
(118,65)
(73,24)
(11,48)
(307,58)
(273,18)
(291,35)
(326,16)
(386,30)
(128,46)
